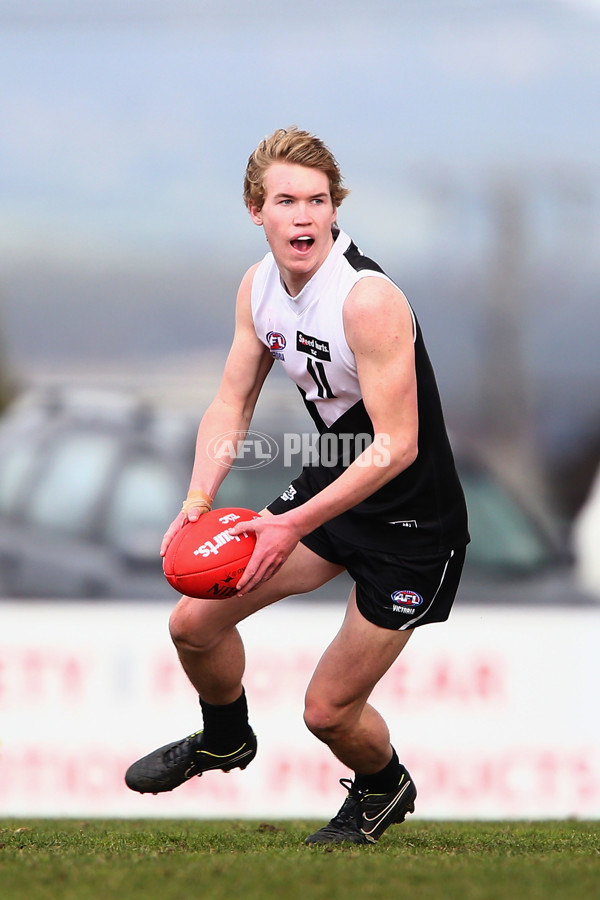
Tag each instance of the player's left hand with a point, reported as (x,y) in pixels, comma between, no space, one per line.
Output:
(276,537)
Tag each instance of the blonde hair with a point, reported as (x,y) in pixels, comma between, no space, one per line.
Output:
(291,145)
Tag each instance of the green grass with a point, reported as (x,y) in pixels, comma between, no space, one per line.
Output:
(181,860)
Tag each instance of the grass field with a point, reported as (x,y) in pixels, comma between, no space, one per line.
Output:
(176,860)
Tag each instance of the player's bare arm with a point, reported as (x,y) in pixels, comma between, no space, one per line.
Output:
(246,368)
(379,330)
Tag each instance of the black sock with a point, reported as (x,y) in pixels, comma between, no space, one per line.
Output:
(382,782)
(225,726)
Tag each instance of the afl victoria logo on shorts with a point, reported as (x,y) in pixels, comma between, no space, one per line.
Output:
(406,602)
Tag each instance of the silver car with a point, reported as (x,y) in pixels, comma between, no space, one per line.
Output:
(89,481)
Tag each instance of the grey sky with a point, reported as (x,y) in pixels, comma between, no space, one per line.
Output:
(126,126)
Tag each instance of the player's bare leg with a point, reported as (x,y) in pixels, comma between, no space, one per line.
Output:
(208,644)
(338,713)
(212,655)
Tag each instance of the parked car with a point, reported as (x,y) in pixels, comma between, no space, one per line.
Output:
(89,481)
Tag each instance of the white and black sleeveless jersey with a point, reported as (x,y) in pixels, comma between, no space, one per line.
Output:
(421,510)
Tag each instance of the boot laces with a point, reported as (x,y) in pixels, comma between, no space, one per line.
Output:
(180,752)
(350,810)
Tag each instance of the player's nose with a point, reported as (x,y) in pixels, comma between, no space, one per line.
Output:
(302,214)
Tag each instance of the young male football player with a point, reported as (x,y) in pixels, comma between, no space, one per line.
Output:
(392,513)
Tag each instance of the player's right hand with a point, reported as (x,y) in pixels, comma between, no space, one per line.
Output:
(195,505)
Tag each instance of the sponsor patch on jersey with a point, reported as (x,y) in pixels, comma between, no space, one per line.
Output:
(407,599)
(276,341)
(306,343)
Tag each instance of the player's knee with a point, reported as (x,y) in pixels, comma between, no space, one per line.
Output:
(187,631)
(179,626)
(325,721)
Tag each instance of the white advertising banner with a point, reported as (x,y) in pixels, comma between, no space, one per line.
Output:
(495,713)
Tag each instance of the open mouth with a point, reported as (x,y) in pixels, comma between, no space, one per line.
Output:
(302,244)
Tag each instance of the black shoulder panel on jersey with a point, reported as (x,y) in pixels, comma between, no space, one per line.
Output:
(359,262)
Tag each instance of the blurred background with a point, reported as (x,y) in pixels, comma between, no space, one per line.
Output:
(469,135)
(467,130)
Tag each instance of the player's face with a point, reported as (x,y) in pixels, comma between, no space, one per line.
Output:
(297,216)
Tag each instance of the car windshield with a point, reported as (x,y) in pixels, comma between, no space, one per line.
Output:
(78,468)
(15,461)
(503,537)
(146,495)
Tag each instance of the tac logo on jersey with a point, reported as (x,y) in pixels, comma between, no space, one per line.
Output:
(407,599)
(306,343)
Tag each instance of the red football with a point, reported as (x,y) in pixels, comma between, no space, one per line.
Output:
(204,560)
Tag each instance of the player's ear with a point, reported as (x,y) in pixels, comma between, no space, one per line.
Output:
(255,214)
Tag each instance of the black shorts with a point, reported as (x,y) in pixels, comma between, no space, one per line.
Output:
(392,591)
